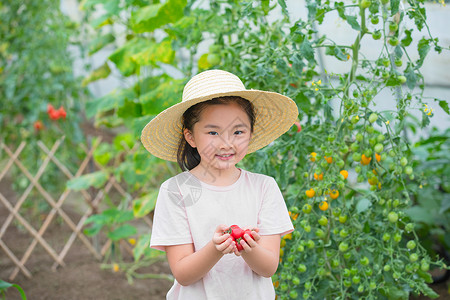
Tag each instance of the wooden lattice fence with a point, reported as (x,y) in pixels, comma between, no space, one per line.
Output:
(92,200)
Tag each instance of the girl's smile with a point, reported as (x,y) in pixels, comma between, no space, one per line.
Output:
(221,136)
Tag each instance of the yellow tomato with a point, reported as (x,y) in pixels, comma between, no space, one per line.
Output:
(323,205)
(344,173)
(310,193)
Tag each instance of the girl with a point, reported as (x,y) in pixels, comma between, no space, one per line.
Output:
(217,123)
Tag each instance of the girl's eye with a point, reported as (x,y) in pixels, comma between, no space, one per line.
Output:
(212,133)
(238,132)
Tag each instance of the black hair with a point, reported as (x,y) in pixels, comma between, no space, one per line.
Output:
(187,156)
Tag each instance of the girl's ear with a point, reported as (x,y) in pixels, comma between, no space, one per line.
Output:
(189,137)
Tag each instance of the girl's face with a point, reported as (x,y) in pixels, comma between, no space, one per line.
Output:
(221,136)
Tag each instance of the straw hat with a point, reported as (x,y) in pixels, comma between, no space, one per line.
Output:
(274,113)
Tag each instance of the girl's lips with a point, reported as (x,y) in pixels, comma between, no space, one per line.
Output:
(225,156)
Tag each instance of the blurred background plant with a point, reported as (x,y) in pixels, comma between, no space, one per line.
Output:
(41,99)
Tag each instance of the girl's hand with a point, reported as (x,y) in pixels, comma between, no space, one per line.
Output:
(223,242)
(248,243)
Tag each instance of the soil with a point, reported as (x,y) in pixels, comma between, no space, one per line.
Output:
(81,278)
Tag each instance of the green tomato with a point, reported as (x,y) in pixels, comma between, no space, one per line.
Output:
(300,248)
(411,245)
(293,294)
(301,268)
(397,237)
(358,169)
(320,233)
(408,170)
(347,283)
(424,266)
(364,4)
(336,212)
(343,219)
(373,117)
(356,279)
(335,263)
(378,148)
(356,156)
(310,244)
(307,208)
(402,79)
(307,228)
(398,62)
(346,273)
(364,261)
(403,161)
(213,59)
(343,233)
(393,217)
(308,285)
(323,221)
(393,26)
(305,295)
(359,137)
(343,246)
(413,257)
(361,288)
(393,41)
(296,281)
(372,285)
(387,268)
(409,227)
(376,35)
(374,20)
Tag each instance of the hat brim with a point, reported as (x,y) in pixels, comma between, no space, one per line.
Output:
(274,115)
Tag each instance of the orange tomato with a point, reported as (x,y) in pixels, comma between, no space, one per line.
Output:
(318,177)
(310,193)
(313,156)
(328,159)
(323,205)
(365,160)
(344,173)
(334,194)
(377,157)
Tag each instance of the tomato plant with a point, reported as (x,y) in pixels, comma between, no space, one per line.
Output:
(351,227)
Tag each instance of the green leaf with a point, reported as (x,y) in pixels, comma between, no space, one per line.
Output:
(363,205)
(423,48)
(5,285)
(148,18)
(144,205)
(142,248)
(123,57)
(406,41)
(283,7)
(100,42)
(113,100)
(307,51)
(444,105)
(166,94)
(130,110)
(419,214)
(411,78)
(156,52)
(394,6)
(101,72)
(93,230)
(203,63)
(353,22)
(96,179)
(122,232)
(103,153)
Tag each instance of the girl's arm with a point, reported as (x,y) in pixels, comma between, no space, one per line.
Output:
(188,266)
(262,254)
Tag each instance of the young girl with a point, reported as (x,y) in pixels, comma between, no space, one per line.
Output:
(217,123)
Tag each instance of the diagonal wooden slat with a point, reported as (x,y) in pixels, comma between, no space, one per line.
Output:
(11,161)
(15,259)
(56,209)
(100,195)
(30,186)
(31,230)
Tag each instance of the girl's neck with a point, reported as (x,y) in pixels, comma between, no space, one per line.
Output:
(216,177)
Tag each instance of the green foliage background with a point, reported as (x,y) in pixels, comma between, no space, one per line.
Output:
(339,253)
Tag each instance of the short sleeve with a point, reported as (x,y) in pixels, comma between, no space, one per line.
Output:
(170,222)
(273,216)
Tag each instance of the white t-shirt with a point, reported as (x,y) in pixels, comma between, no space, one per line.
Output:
(189,210)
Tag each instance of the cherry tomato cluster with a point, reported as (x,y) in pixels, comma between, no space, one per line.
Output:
(56,114)
(237,234)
